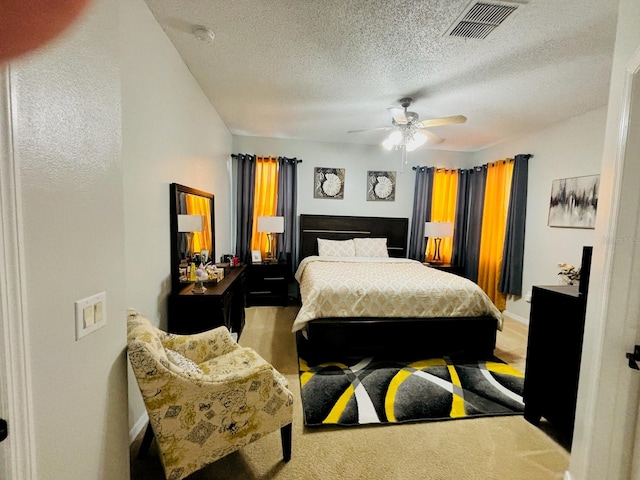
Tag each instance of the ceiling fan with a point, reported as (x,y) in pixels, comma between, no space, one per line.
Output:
(408,132)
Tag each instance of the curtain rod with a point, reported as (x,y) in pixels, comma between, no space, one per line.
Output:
(416,167)
(294,159)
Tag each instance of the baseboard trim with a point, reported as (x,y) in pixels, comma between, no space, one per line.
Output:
(138,427)
(515,317)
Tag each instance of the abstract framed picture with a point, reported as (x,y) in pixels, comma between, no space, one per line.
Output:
(574,202)
(381,186)
(328,183)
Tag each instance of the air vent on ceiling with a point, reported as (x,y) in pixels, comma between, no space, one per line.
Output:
(480,18)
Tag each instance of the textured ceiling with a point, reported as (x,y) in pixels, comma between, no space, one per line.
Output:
(314,69)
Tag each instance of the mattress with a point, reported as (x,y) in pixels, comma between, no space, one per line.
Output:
(353,287)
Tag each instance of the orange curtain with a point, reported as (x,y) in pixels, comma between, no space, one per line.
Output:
(197,205)
(266,194)
(443,209)
(494,221)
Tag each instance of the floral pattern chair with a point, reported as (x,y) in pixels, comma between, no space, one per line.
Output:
(206,396)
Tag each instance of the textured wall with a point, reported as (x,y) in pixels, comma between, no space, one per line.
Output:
(170,133)
(67,137)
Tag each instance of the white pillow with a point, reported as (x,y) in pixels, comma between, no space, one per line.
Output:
(336,248)
(371,247)
(181,361)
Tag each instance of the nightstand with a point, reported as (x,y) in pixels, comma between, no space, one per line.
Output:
(447,267)
(268,284)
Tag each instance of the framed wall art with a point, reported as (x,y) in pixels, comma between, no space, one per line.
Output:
(381,186)
(574,202)
(328,183)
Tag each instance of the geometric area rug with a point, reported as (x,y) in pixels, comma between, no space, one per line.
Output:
(383,391)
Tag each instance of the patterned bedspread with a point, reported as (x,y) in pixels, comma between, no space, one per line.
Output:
(385,287)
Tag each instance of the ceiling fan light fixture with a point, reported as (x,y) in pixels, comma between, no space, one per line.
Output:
(394,140)
(415,140)
(407,139)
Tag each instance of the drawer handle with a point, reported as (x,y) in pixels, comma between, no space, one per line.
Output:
(273,279)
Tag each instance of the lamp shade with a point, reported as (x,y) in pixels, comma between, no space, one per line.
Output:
(190,223)
(271,224)
(438,229)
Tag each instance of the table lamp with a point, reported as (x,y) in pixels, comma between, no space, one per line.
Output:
(437,230)
(270,225)
(189,224)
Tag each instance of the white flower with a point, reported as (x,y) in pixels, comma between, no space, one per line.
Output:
(331,185)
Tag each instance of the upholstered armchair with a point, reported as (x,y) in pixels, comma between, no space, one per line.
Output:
(206,396)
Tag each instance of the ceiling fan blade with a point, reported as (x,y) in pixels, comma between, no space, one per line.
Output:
(398,114)
(436,122)
(379,129)
(433,138)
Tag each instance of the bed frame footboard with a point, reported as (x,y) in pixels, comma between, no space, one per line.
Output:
(401,337)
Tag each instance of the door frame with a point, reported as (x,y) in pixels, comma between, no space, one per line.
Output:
(603,444)
(17,452)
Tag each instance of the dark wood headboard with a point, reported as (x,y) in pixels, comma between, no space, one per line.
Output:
(335,227)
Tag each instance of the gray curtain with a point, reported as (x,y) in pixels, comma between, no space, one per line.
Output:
(459,254)
(475,205)
(286,207)
(246,179)
(513,252)
(421,212)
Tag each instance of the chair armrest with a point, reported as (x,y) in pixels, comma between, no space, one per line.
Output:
(159,392)
(201,347)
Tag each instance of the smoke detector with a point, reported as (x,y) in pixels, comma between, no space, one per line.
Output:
(204,34)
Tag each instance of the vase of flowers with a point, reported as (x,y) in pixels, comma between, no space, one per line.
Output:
(569,274)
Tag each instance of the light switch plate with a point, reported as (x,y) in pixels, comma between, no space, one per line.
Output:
(91,314)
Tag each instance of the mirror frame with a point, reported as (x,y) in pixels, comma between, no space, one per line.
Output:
(175,191)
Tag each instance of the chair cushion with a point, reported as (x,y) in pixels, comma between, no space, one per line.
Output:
(239,362)
(182,362)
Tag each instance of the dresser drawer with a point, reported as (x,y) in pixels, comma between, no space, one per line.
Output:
(268,284)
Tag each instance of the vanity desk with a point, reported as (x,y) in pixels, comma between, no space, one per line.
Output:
(222,304)
(192,230)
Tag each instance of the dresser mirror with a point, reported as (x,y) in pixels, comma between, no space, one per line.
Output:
(192,229)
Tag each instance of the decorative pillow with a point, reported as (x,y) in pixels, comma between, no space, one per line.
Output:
(181,361)
(336,248)
(371,247)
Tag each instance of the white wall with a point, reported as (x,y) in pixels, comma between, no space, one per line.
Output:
(67,138)
(571,148)
(357,160)
(170,133)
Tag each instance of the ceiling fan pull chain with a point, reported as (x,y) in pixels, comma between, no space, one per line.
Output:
(403,158)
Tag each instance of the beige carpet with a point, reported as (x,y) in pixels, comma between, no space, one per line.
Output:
(483,449)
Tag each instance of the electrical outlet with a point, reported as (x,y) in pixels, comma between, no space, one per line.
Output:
(91,314)
(527,297)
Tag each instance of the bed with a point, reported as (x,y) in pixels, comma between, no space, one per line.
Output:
(346,322)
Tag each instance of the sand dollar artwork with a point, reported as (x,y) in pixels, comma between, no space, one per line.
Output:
(384,187)
(331,186)
(329,183)
(381,186)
